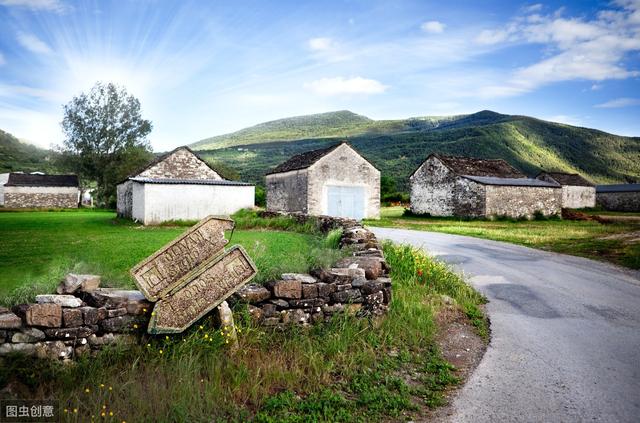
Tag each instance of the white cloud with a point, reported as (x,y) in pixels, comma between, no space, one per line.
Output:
(341,86)
(533,8)
(596,87)
(33,43)
(619,102)
(51,5)
(433,27)
(321,43)
(567,120)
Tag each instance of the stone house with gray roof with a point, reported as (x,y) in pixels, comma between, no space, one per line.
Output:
(619,197)
(37,190)
(180,186)
(470,187)
(333,181)
(577,192)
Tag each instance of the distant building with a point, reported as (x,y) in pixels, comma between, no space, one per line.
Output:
(180,186)
(24,190)
(577,192)
(469,187)
(620,197)
(334,181)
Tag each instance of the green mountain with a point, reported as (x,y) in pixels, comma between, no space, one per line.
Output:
(397,147)
(16,155)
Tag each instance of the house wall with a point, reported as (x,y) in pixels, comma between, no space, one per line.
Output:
(182,164)
(41,197)
(519,201)
(164,202)
(578,197)
(343,166)
(287,191)
(125,199)
(138,201)
(437,191)
(619,201)
(4,177)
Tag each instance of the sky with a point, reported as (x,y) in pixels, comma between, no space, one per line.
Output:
(203,68)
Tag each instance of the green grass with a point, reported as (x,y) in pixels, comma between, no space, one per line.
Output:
(350,369)
(38,248)
(581,238)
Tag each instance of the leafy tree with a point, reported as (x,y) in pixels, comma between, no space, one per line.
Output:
(105,138)
(387,185)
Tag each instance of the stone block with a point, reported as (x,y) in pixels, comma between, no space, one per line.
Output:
(115,312)
(325,289)
(61,300)
(255,313)
(3,336)
(346,275)
(46,315)
(54,350)
(332,309)
(347,296)
(269,310)
(24,348)
(280,304)
(69,333)
(302,277)
(112,298)
(28,335)
(117,324)
(89,315)
(310,290)
(342,287)
(72,317)
(387,295)
(287,289)
(372,287)
(306,303)
(299,317)
(253,293)
(374,299)
(73,282)
(9,320)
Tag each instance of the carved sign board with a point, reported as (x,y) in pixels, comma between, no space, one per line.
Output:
(168,269)
(206,288)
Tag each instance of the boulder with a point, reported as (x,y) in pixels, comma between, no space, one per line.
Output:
(302,277)
(9,320)
(372,266)
(346,275)
(46,315)
(73,282)
(61,300)
(287,289)
(24,348)
(72,317)
(28,335)
(253,293)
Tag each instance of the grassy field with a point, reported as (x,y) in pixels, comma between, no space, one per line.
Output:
(614,242)
(38,248)
(350,369)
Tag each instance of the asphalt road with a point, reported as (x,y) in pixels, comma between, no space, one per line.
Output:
(565,333)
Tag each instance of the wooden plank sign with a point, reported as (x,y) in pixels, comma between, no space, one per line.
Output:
(205,289)
(169,268)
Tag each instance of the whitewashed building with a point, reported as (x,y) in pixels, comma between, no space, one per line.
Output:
(180,186)
(333,181)
(577,192)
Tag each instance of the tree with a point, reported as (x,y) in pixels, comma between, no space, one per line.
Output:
(105,138)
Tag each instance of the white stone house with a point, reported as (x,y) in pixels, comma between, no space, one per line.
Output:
(37,190)
(469,187)
(180,186)
(577,192)
(334,181)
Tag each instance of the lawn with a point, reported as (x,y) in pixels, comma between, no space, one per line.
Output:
(350,369)
(614,242)
(40,247)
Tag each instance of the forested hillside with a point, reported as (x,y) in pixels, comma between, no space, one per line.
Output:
(398,147)
(16,155)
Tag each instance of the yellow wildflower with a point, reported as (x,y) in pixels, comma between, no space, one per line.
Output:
(87,390)
(75,410)
(160,351)
(111,413)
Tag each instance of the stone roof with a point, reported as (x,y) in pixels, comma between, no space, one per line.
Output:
(472,166)
(516,182)
(188,181)
(34,180)
(618,188)
(304,160)
(165,156)
(563,178)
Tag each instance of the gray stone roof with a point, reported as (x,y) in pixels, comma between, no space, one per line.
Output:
(523,182)
(618,188)
(189,181)
(480,167)
(563,178)
(34,180)
(304,160)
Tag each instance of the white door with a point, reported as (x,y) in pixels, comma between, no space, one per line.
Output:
(345,201)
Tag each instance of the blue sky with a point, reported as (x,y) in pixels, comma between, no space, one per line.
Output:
(203,68)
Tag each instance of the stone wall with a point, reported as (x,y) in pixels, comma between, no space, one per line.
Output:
(619,201)
(287,192)
(521,201)
(82,318)
(125,199)
(343,167)
(181,164)
(41,197)
(438,191)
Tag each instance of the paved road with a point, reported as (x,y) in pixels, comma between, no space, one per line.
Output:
(565,343)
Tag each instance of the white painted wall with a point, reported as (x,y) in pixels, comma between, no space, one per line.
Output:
(578,197)
(138,202)
(164,202)
(4,177)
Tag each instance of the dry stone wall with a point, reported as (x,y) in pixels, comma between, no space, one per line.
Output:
(15,199)
(81,318)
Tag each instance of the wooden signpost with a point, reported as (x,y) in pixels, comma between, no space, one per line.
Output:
(192,275)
